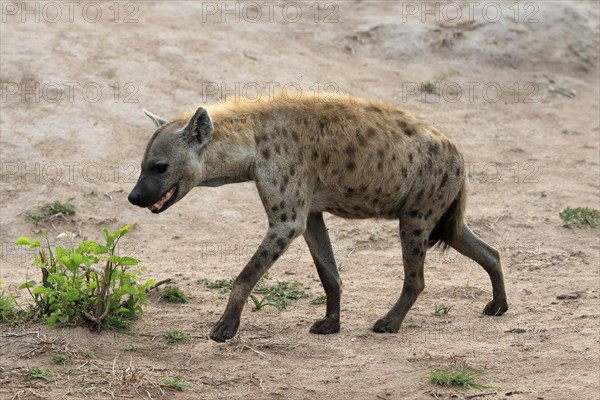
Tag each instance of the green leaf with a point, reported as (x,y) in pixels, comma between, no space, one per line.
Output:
(27,284)
(108,237)
(128,261)
(22,241)
(39,290)
(114,259)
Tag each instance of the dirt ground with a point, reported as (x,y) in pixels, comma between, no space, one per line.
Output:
(515,85)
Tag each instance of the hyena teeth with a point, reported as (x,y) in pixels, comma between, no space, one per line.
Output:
(159,204)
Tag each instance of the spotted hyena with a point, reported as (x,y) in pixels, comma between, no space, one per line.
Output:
(350,157)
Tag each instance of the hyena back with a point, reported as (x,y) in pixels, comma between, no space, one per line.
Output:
(349,157)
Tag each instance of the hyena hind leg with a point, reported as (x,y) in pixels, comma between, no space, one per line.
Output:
(469,245)
(317,239)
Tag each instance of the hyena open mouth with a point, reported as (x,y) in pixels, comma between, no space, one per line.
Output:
(165,202)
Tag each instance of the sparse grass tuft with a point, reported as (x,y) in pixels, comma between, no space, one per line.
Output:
(321,299)
(441,309)
(8,308)
(223,284)
(59,357)
(176,336)
(173,294)
(175,383)
(40,373)
(580,217)
(89,354)
(456,377)
(51,210)
(429,86)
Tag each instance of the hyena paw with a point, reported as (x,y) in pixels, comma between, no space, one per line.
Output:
(495,308)
(385,325)
(225,329)
(326,326)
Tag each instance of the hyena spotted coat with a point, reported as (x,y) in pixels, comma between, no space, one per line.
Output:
(350,157)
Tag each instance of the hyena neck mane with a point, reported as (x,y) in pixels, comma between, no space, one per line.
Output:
(229,156)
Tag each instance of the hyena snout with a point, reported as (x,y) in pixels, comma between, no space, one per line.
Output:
(149,193)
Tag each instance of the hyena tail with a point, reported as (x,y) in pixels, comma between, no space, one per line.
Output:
(450,225)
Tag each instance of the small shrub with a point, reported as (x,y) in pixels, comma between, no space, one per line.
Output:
(319,299)
(86,282)
(8,308)
(429,86)
(89,354)
(51,210)
(455,377)
(173,294)
(580,217)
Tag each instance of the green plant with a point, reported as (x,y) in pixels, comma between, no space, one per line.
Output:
(89,354)
(319,299)
(131,347)
(439,309)
(86,282)
(456,377)
(8,308)
(223,284)
(429,86)
(176,336)
(280,294)
(174,295)
(40,373)
(175,383)
(58,357)
(51,210)
(580,216)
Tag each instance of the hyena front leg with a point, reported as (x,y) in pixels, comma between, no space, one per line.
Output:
(287,211)
(317,239)
(413,236)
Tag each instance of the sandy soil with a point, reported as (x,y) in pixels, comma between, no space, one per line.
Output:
(531,152)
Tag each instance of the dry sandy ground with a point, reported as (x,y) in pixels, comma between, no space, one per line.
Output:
(532,151)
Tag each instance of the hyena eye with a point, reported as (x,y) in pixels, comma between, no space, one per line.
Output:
(160,168)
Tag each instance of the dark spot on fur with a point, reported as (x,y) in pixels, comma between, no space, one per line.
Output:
(417,232)
(292,170)
(444,180)
(295,136)
(281,243)
(272,236)
(350,150)
(394,157)
(315,155)
(419,196)
(351,165)
(420,216)
(379,165)
(325,160)
(282,188)
(274,208)
(292,233)
(282,204)
(264,253)
(416,251)
(266,154)
(433,149)
(404,172)
(410,157)
(371,132)
(284,217)
(428,213)
(413,214)
(277,148)
(349,192)
(286,180)
(276,256)
(294,216)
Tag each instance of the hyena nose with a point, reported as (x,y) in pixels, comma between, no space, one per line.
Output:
(134,198)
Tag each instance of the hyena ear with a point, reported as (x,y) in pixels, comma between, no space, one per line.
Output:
(157,120)
(200,128)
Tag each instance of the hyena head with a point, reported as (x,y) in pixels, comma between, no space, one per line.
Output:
(172,163)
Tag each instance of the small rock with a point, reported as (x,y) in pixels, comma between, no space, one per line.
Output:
(568,296)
